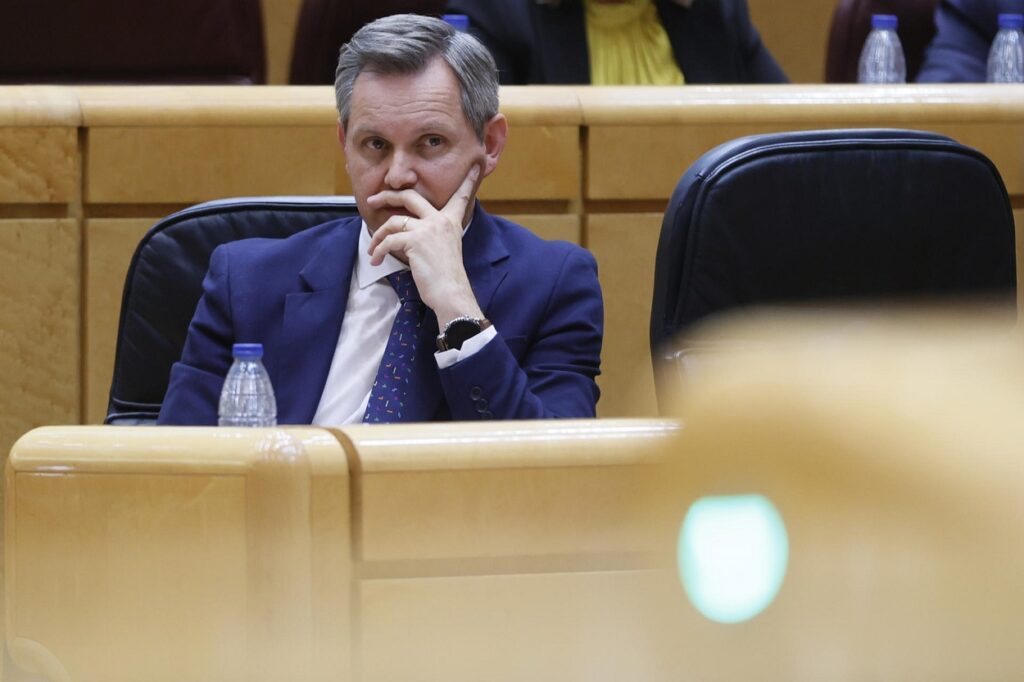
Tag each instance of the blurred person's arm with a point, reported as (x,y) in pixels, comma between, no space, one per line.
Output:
(959,51)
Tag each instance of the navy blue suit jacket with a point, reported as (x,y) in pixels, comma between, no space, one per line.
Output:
(964,30)
(290,295)
(713,41)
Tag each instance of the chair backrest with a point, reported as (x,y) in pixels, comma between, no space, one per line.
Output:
(851,24)
(111,41)
(164,284)
(325,25)
(829,215)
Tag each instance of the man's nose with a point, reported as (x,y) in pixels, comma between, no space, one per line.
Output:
(401,173)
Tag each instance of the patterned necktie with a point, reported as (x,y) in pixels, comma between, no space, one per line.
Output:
(391,387)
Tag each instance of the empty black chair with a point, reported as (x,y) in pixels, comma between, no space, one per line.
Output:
(164,284)
(835,214)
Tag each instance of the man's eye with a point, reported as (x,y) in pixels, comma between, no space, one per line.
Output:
(376,143)
(434,140)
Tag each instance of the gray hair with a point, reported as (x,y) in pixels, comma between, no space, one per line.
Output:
(406,44)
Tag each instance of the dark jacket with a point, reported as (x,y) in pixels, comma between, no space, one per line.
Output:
(713,41)
(964,33)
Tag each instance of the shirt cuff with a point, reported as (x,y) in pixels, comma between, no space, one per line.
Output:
(473,344)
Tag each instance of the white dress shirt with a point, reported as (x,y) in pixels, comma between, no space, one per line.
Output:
(370,312)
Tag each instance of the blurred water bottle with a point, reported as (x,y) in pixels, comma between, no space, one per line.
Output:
(1006,58)
(881,60)
(247,398)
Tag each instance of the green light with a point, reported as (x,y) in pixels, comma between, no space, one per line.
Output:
(732,556)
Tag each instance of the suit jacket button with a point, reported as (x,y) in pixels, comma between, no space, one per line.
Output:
(476,393)
(481,405)
(487,414)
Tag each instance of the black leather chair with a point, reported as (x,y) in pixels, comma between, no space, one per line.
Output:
(828,215)
(164,284)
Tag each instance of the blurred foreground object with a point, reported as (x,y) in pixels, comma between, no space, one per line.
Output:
(875,459)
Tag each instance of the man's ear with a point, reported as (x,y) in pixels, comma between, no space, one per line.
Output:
(495,134)
(341,134)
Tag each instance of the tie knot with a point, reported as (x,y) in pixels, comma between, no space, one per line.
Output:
(404,286)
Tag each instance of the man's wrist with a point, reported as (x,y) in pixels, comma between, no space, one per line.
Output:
(459,330)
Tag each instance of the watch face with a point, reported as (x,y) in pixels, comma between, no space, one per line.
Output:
(459,330)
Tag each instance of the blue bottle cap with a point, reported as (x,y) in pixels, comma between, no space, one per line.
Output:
(884,21)
(247,350)
(1014,22)
(460,22)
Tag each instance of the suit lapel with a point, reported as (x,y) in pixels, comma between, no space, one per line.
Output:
(312,322)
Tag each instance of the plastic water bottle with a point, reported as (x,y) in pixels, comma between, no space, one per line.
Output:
(881,60)
(247,398)
(1006,58)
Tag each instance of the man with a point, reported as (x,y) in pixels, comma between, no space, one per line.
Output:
(345,338)
(964,30)
(544,42)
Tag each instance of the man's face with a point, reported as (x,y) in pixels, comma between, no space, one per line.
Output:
(409,132)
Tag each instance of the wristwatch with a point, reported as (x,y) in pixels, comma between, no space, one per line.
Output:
(458,330)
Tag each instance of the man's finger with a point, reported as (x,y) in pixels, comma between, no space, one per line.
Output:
(459,203)
(393,225)
(393,244)
(409,199)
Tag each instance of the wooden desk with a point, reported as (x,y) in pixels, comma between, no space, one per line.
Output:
(374,552)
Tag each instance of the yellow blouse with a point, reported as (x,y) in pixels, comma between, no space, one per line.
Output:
(628,45)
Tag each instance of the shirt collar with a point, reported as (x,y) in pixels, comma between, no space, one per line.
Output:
(367,273)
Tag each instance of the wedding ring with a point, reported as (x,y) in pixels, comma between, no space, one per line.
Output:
(405,224)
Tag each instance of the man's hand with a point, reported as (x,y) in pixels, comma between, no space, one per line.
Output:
(430,241)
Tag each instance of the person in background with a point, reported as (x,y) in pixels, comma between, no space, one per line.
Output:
(621,42)
(964,32)
(424,307)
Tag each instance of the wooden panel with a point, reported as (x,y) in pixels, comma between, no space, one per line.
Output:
(109,245)
(39,325)
(280,18)
(539,163)
(796,33)
(645,162)
(192,164)
(38,165)
(517,491)
(552,626)
(564,227)
(119,539)
(176,106)
(430,515)
(211,553)
(625,246)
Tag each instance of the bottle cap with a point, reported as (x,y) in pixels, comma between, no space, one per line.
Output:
(1014,22)
(884,21)
(247,350)
(460,22)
